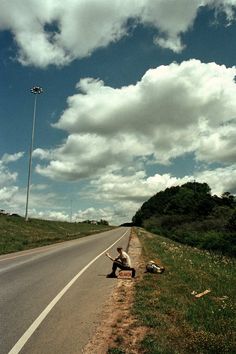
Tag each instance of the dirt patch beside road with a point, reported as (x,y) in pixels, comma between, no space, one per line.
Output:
(118,328)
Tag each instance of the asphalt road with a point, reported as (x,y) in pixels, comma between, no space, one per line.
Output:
(52,297)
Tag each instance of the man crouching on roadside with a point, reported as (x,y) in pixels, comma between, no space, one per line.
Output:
(122,261)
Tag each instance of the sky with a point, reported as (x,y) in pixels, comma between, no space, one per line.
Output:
(138,96)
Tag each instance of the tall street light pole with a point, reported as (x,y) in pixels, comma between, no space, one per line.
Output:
(36,90)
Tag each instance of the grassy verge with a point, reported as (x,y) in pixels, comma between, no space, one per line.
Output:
(178,322)
(18,235)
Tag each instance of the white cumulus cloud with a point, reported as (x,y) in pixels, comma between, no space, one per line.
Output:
(8,179)
(172,110)
(56,32)
(135,188)
(6,158)
(220,180)
(6,176)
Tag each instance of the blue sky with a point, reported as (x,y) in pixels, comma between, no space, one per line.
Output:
(138,96)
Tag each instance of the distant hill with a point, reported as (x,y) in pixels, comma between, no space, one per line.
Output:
(128,224)
(191,215)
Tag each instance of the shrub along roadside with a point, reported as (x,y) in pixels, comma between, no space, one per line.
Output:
(211,240)
(177,321)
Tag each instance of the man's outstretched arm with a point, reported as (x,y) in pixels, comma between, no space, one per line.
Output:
(108,255)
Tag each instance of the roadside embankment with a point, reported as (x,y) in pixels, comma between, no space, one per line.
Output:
(190,308)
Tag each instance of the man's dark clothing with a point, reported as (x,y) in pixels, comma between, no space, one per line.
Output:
(118,264)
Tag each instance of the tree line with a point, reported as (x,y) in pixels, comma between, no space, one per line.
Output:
(191,215)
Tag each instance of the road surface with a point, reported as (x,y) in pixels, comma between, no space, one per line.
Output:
(52,297)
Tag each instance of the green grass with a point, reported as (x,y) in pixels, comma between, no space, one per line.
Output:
(177,321)
(115,351)
(16,234)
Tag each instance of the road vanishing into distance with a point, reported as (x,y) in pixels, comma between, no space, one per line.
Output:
(52,297)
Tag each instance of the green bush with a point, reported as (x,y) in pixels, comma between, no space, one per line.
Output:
(189,214)
(231,225)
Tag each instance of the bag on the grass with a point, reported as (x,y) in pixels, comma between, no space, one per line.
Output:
(152,267)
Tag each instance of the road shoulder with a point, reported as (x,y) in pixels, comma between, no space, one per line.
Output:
(118,327)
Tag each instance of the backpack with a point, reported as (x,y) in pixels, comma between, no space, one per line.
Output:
(152,267)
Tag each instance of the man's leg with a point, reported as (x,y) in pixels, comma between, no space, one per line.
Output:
(128,268)
(122,267)
(116,264)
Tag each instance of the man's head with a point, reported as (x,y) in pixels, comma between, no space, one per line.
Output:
(119,249)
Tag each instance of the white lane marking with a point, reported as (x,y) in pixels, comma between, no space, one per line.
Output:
(28,333)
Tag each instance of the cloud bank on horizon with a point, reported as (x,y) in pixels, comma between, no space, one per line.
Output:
(113,134)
